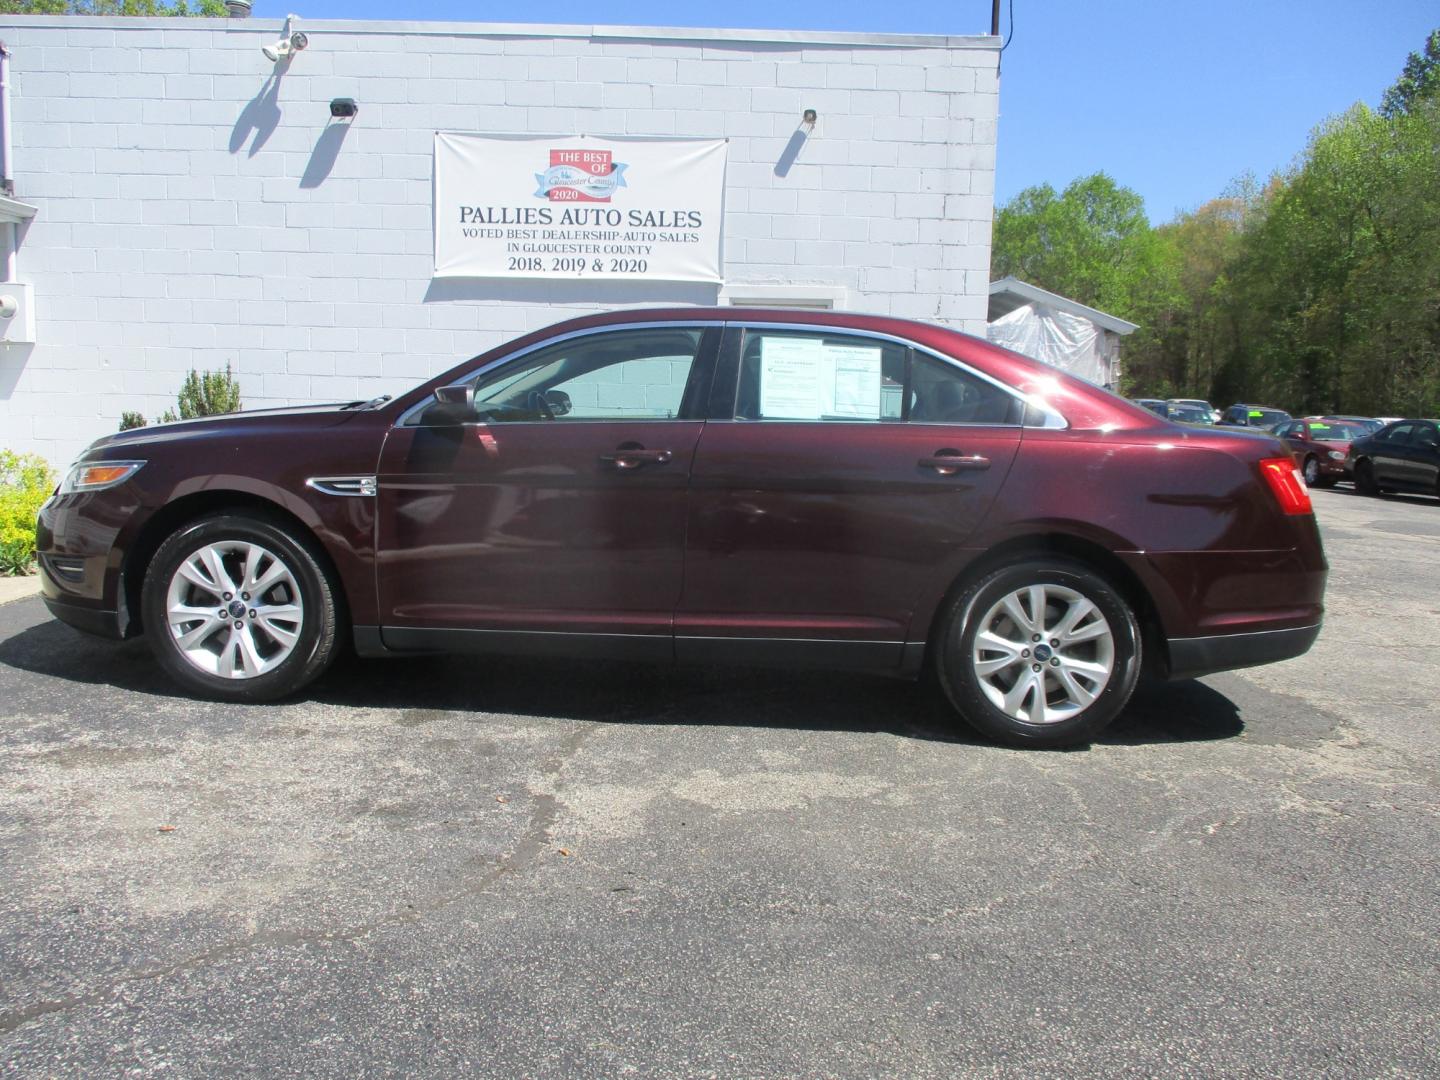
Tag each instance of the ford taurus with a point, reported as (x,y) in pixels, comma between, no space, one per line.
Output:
(726,485)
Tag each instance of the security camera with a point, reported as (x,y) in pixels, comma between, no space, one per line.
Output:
(285,47)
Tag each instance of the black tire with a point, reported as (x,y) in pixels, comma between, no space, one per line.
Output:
(966,690)
(1311,471)
(1365,478)
(317,643)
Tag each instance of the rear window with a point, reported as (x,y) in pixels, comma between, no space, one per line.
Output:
(1188,415)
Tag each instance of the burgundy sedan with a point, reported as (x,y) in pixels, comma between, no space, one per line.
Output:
(1320,448)
(767,487)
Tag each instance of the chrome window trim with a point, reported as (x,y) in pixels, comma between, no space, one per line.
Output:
(1053,419)
(476,373)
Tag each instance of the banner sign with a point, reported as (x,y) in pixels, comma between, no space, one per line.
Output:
(575,207)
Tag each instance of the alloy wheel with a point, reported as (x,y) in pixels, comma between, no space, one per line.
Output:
(1043,654)
(234,609)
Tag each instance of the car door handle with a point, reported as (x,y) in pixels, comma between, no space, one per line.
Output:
(950,462)
(628,456)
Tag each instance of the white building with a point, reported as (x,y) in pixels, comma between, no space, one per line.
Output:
(195,204)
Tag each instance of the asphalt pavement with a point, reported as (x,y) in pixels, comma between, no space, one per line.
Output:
(549,869)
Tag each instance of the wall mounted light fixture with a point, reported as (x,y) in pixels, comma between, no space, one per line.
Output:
(286,46)
(343,108)
(807,120)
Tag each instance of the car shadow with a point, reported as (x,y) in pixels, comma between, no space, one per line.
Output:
(1410,497)
(476,688)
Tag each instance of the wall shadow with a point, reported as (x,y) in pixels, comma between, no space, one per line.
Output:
(325,153)
(13,358)
(600,293)
(261,114)
(790,153)
(620,693)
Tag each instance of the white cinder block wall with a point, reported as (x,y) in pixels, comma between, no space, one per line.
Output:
(187,217)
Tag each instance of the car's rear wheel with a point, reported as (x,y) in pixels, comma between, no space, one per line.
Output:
(1365,478)
(1041,653)
(240,608)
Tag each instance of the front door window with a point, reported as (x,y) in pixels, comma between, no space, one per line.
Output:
(625,375)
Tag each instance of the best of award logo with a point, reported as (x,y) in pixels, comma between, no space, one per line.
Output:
(580,176)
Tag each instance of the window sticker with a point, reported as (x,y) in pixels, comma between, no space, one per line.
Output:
(789,374)
(856,382)
(810,379)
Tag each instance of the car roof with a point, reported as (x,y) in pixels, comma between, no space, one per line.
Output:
(1083,403)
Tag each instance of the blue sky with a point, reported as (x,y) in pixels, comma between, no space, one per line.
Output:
(1173,98)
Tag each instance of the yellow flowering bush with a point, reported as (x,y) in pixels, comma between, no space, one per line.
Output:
(26,481)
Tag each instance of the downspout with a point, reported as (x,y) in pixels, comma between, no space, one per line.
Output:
(7,173)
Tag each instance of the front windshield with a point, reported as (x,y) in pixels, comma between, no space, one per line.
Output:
(1336,432)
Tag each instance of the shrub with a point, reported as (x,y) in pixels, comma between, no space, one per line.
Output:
(26,481)
(210,394)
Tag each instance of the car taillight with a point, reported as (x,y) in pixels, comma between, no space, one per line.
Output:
(1284,480)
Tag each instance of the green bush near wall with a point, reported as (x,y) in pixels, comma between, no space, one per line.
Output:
(26,481)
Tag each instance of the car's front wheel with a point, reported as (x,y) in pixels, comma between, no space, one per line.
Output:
(1041,653)
(238,607)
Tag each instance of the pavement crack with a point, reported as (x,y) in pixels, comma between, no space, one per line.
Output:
(533,840)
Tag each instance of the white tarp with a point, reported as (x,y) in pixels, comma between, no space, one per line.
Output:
(578,206)
(1070,342)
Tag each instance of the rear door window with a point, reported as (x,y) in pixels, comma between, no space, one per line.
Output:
(800,375)
(803,375)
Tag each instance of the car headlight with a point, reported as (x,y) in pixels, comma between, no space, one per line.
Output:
(1337,455)
(98,475)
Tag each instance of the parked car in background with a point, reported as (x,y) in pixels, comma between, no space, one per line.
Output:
(1155,405)
(1254,416)
(1198,403)
(757,486)
(1371,424)
(1188,414)
(1403,456)
(1320,448)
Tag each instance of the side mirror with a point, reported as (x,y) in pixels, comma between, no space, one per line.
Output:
(559,402)
(453,405)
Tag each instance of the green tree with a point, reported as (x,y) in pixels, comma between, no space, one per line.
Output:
(1419,80)
(1341,282)
(1092,243)
(137,8)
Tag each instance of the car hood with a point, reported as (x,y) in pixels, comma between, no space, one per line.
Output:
(290,419)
